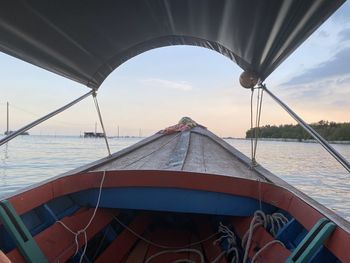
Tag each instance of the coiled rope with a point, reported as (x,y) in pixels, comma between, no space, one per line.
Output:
(160,245)
(265,247)
(224,230)
(230,237)
(275,221)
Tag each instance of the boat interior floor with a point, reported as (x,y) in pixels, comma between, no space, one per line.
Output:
(67,232)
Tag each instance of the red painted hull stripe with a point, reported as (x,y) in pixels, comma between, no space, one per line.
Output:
(270,193)
(58,244)
(121,246)
(276,253)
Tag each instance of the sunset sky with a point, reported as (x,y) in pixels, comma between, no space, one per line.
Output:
(155,89)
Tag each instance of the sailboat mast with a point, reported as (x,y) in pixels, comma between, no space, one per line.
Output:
(7,119)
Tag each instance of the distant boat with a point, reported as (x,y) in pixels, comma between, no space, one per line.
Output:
(8,132)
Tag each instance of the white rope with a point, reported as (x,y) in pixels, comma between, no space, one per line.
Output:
(254,139)
(251,128)
(232,244)
(227,233)
(257,118)
(215,260)
(83,230)
(247,238)
(184,260)
(199,253)
(235,257)
(264,247)
(276,221)
(162,246)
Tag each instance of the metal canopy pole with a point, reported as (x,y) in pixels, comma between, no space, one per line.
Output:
(311,131)
(101,122)
(42,119)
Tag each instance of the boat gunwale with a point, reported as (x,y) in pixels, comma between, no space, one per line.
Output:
(286,199)
(267,176)
(260,170)
(86,167)
(100,162)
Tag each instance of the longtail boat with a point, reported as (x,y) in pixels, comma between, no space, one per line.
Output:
(182,194)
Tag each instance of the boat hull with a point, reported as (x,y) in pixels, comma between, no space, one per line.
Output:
(167,191)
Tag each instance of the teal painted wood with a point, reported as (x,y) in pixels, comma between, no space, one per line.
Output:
(20,234)
(312,242)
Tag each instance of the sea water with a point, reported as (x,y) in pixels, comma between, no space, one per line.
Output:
(307,166)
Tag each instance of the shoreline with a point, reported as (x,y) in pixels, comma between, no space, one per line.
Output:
(289,140)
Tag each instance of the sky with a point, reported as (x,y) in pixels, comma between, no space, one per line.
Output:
(155,89)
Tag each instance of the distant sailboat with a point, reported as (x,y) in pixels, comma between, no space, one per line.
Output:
(8,131)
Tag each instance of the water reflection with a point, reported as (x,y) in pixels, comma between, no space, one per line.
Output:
(308,167)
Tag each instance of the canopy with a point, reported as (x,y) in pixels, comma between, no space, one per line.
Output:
(85,40)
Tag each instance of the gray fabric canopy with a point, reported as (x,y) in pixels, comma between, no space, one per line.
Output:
(86,40)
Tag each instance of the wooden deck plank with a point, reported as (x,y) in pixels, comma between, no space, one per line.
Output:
(153,155)
(121,246)
(172,238)
(58,244)
(195,157)
(138,254)
(192,256)
(179,154)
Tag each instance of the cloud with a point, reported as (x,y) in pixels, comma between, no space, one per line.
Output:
(343,81)
(344,34)
(342,103)
(331,94)
(339,65)
(323,33)
(168,84)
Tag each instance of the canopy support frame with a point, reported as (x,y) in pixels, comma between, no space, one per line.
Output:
(94,95)
(13,135)
(336,155)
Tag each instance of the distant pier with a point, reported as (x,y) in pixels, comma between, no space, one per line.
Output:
(94,134)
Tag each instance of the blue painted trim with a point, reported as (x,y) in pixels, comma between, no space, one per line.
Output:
(62,206)
(291,234)
(51,213)
(172,200)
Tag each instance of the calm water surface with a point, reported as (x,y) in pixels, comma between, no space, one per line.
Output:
(30,159)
